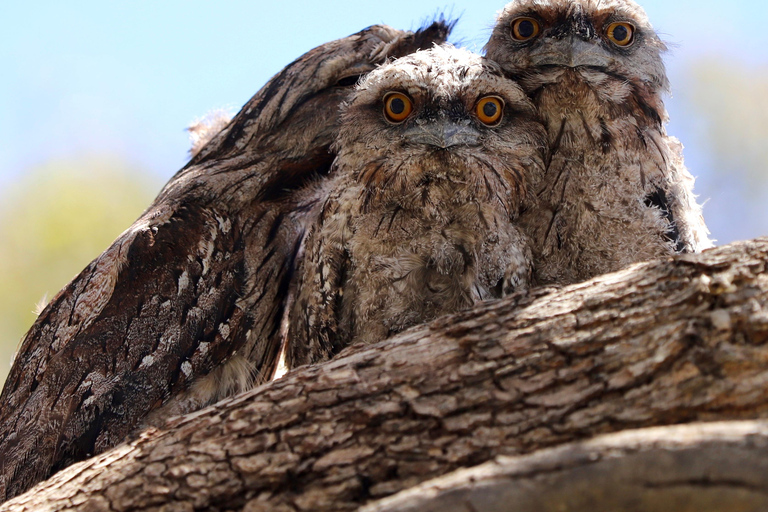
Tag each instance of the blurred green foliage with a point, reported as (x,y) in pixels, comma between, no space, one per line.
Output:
(53,222)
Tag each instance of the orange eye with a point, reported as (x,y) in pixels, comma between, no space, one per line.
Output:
(525,28)
(397,107)
(621,34)
(489,110)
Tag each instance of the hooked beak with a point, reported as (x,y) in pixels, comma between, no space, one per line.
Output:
(443,134)
(571,52)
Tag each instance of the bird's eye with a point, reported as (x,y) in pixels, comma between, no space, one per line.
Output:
(525,28)
(489,110)
(397,107)
(620,33)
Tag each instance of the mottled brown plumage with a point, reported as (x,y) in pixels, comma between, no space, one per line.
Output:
(614,190)
(419,215)
(185,307)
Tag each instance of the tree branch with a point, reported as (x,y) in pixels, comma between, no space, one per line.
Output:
(671,341)
(707,467)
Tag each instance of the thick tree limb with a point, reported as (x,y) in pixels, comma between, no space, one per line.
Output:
(672,341)
(705,467)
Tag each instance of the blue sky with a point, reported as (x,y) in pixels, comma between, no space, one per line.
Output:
(125,78)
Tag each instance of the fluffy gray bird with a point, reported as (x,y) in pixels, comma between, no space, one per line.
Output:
(185,307)
(614,189)
(433,159)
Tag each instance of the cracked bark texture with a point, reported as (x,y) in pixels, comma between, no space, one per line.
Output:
(705,467)
(671,341)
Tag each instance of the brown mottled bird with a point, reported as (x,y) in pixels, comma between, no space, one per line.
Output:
(433,159)
(185,307)
(614,189)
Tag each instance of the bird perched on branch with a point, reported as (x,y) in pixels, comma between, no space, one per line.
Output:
(185,307)
(614,189)
(434,156)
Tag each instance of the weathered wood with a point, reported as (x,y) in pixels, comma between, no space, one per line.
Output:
(705,467)
(663,342)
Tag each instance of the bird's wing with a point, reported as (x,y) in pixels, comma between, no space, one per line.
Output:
(674,197)
(686,211)
(200,277)
(313,333)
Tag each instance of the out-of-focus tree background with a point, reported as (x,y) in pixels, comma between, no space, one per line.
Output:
(95,95)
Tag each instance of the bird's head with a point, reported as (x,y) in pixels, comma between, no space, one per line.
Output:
(443,117)
(609,38)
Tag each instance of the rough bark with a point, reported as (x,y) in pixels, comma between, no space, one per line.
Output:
(663,342)
(706,467)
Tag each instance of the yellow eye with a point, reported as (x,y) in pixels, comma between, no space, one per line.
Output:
(397,107)
(489,110)
(525,28)
(621,34)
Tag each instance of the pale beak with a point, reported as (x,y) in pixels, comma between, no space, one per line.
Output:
(442,134)
(571,52)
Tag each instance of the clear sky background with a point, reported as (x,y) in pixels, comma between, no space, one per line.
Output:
(83,80)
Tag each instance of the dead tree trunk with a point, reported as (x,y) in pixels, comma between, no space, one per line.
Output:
(665,342)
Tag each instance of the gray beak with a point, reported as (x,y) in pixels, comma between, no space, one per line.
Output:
(442,134)
(571,52)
